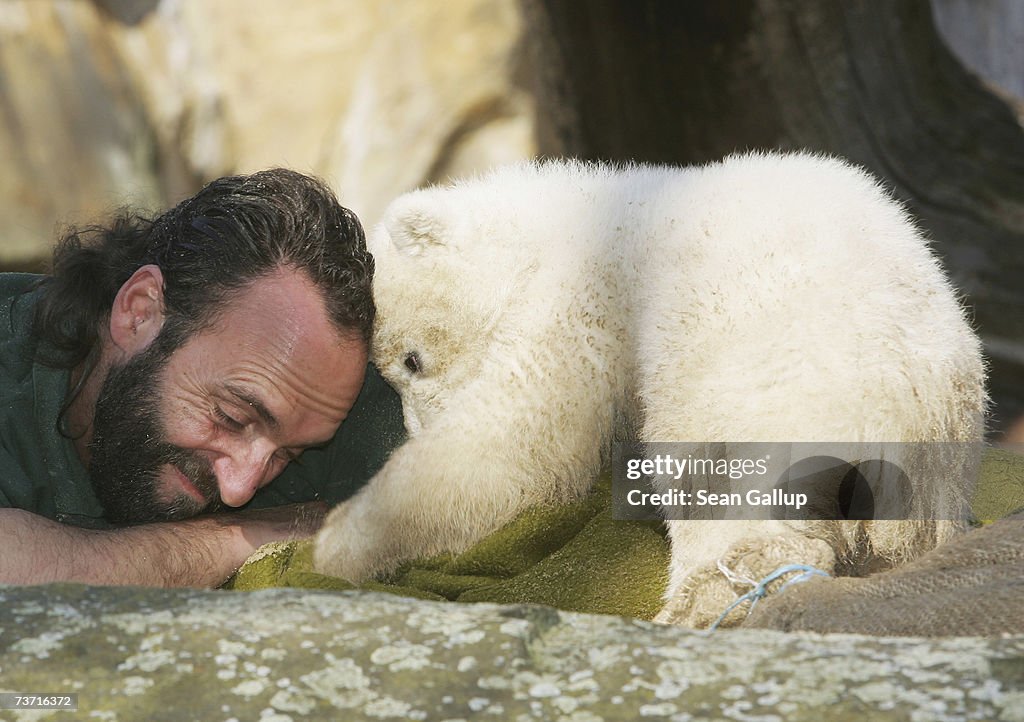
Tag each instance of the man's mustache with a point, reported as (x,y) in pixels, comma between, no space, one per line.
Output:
(198,470)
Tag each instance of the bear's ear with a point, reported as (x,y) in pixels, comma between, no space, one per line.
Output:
(419,221)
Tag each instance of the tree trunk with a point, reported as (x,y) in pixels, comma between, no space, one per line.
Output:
(673,81)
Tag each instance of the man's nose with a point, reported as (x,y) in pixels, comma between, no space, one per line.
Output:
(242,470)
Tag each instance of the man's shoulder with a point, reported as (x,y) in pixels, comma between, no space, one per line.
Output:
(12,284)
(17,347)
(38,468)
(16,304)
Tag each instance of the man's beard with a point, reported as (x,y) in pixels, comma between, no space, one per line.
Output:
(130,452)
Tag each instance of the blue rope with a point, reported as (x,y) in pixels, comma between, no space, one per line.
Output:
(760,589)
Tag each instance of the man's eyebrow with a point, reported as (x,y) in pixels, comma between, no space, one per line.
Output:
(258,406)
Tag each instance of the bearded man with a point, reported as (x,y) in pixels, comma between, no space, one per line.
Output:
(168,370)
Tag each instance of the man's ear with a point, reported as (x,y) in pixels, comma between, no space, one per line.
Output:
(138,311)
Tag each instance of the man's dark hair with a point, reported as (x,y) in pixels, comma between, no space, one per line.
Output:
(234,231)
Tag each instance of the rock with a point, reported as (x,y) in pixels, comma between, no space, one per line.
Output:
(139,101)
(286,654)
(74,134)
(375,106)
(988,40)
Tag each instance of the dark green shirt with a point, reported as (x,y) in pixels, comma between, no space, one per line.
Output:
(41,472)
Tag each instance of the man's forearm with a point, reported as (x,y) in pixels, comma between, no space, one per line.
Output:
(199,552)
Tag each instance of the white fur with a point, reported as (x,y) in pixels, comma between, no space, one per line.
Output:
(554,305)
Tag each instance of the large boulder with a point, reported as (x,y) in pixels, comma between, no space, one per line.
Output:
(285,654)
(109,102)
(74,133)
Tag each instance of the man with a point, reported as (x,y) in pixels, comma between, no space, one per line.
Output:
(170,369)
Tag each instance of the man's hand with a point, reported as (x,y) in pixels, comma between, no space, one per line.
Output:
(201,552)
(262,526)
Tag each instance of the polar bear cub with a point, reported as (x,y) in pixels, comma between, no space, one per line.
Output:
(530,316)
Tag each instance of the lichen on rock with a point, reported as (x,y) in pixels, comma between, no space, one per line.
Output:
(287,654)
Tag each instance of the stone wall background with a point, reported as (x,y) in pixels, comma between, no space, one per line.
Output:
(112,102)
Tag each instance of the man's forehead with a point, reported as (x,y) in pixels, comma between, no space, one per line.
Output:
(275,350)
(281,377)
(284,298)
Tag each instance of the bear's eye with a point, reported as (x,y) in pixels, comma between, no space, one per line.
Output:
(412,362)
